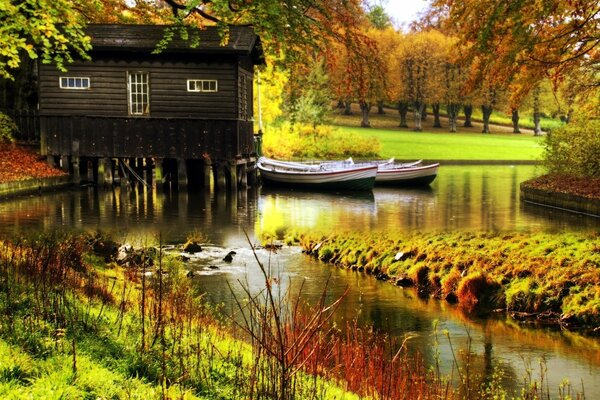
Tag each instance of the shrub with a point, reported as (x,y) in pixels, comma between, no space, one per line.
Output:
(573,149)
(476,290)
(301,141)
(7,129)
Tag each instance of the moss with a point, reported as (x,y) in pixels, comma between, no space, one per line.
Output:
(518,271)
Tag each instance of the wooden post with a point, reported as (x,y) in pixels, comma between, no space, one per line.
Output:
(243,175)
(219,176)
(51,160)
(95,167)
(232,172)
(76,169)
(105,173)
(157,172)
(64,163)
(206,174)
(182,177)
(252,175)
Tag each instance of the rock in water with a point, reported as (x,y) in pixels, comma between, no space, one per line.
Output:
(192,247)
(229,257)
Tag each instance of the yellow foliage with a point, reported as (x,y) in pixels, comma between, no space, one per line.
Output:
(300,141)
(273,81)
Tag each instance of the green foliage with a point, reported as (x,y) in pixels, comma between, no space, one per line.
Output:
(378,17)
(313,104)
(51,30)
(299,141)
(574,148)
(7,129)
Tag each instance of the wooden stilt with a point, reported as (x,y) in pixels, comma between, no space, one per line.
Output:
(206,174)
(219,176)
(243,176)
(95,174)
(232,172)
(76,169)
(157,172)
(105,177)
(182,176)
(252,175)
(64,163)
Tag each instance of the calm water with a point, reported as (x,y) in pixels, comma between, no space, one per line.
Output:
(461,198)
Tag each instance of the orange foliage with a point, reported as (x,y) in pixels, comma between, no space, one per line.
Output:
(18,163)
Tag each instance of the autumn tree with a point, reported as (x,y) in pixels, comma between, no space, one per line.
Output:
(453,92)
(420,59)
(524,42)
(387,41)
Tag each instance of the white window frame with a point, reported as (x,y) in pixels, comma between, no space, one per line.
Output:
(70,82)
(138,92)
(202,85)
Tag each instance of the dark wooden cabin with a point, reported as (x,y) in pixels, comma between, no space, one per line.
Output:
(182,109)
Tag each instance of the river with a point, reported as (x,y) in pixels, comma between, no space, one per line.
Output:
(462,198)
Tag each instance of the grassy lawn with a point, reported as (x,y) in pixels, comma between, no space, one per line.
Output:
(438,143)
(406,145)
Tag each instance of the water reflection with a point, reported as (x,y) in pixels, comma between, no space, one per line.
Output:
(461,198)
(494,344)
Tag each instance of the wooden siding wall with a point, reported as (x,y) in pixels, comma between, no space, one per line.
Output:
(145,137)
(169,97)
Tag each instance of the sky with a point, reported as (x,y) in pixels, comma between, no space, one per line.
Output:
(403,12)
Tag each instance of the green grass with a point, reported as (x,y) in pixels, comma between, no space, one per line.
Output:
(525,121)
(558,274)
(408,145)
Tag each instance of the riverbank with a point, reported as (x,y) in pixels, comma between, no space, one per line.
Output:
(548,278)
(79,319)
(24,171)
(564,192)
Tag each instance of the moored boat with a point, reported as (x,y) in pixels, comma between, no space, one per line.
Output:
(324,176)
(395,174)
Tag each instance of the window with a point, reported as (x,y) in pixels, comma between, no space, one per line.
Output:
(74,82)
(201,85)
(138,88)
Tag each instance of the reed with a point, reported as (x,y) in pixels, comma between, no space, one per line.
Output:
(73,326)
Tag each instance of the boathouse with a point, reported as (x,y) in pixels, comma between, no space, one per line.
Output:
(180,113)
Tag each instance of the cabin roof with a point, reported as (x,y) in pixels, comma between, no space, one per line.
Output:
(145,38)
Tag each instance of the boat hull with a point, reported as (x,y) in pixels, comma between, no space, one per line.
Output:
(414,176)
(354,179)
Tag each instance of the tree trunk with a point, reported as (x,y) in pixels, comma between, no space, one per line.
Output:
(347,107)
(418,112)
(515,120)
(569,116)
(537,130)
(468,110)
(403,110)
(436,115)
(424,112)
(453,110)
(486,110)
(365,108)
(340,104)
(380,109)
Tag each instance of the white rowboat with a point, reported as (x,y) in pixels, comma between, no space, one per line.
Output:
(325,176)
